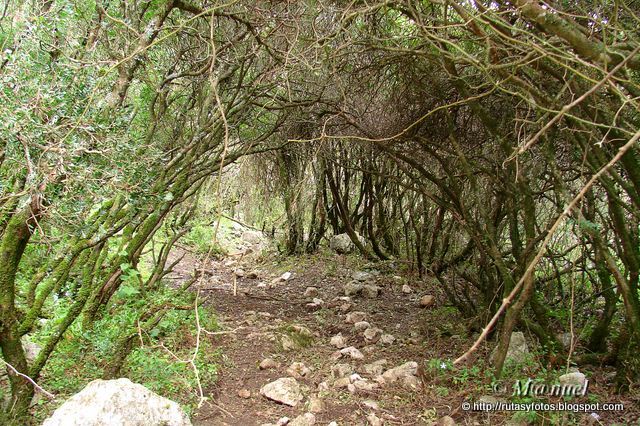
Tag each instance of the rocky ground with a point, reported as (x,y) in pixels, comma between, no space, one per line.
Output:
(300,348)
(329,340)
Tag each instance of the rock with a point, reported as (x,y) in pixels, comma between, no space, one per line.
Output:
(346,307)
(361,276)
(341,370)
(446,421)
(31,349)
(518,349)
(333,424)
(323,386)
(374,420)
(268,363)
(369,349)
(364,385)
(315,304)
(355,377)
(244,393)
(117,402)
(298,370)
(387,339)
(591,419)
(371,291)
(565,339)
(316,405)
(373,405)
(352,352)
(306,419)
(372,334)
(282,422)
(375,368)
(361,325)
(341,244)
(285,390)
(406,289)
(411,382)
(407,369)
(355,316)
(286,276)
(252,237)
(312,307)
(353,288)
(239,273)
(287,343)
(342,382)
(427,301)
(575,378)
(338,341)
(311,292)
(274,282)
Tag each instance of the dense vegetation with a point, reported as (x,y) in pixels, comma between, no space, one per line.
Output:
(489,144)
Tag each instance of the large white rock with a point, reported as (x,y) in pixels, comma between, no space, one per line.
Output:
(117,402)
(341,243)
(285,390)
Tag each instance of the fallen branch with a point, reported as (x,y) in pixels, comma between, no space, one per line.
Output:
(37,386)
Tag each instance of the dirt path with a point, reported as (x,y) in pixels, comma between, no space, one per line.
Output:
(271,318)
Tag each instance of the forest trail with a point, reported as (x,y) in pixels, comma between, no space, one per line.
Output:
(270,318)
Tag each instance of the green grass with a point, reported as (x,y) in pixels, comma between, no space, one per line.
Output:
(302,339)
(201,238)
(83,355)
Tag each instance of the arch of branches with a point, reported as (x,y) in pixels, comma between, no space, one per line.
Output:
(489,144)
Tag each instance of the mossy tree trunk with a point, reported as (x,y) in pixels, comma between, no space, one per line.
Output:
(14,241)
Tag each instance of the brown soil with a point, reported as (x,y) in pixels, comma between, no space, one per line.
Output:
(258,317)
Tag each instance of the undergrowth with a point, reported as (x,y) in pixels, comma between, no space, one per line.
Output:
(155,362)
